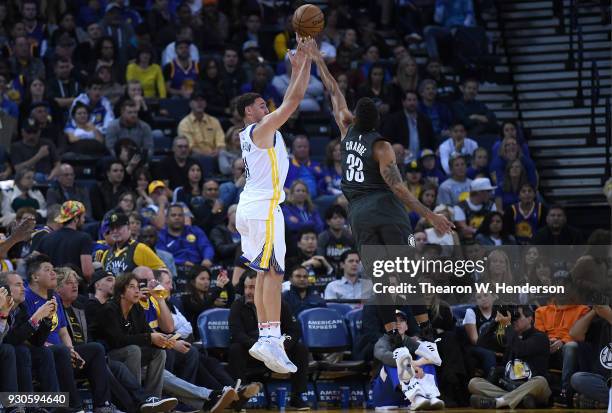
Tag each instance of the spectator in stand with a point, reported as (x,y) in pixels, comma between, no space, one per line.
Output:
(414,178)
(406,78)
(299,211)
(203,132)
(211,85)
(128,126)
(182,73)
(215,26)
(229,192)
(250,28)
(134,92)
(184,34)
(509,151)
(515,176)
(457,186)
(556,231)
(350,286)
(231,152)
(314,91)
(64,86)
(174,168)
(148,73)
(105,195)
(232,74)
(83,136)
(347,91)
(23,63)
(556,321)
(337,239)
(493,232)
(35,96)
(591,332)
(409,127)
(484,313)
(111,89)
(431,171)
(69,246)
(201,296)
(509,129)
(148,236)
(153,207)
(244,333)
(191,194)
(301,295)
(479,167)
(302,167)
(48,123)
(135,224)
(208,211)
(320,271)
(438,113)
(525,345)
(121,31)
(22,194)
(101,110)
(332,172)
(106,53)
(471,212)
(261,83)
(427,197)
(448,16)
(35,152)
(226,239)
(126,254)
(475,115)
(524,218)
(376,89)
(457,143)
(6,103)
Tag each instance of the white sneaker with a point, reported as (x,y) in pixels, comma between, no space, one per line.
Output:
(420,403)
(255,350)
(436,404)
(386,408)
(274,356)
(403,359)
(429,351)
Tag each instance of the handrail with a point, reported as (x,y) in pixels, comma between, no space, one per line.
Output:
(608,166)
(595,85)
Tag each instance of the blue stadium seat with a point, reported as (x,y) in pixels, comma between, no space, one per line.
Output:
(459,311)
(354,321)
(318,144)
(214,328)
(176,301)
(177,108)
(341,308)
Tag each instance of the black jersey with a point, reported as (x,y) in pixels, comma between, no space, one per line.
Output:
(360,171)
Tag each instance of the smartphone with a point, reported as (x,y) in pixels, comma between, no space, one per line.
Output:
(142,285)
(7,288)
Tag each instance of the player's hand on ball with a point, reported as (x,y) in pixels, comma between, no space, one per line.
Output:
(441,223)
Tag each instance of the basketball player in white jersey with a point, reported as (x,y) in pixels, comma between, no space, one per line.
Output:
(259,218)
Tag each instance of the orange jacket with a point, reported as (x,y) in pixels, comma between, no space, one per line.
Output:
(556,320)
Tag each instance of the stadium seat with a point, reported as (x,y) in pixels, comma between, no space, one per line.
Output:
(354,322)
(341,308)
(214,328)
(318,144)
(176,301)
(177,108)
(459,311)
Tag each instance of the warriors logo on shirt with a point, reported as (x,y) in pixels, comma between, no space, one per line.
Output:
(191,238)
(605,357)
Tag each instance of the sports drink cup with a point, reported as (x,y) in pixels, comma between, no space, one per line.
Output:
(345,397)
(281,397)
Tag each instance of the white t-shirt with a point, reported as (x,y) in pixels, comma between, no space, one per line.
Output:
(469,317)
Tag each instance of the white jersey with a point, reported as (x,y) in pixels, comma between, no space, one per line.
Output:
(266,172)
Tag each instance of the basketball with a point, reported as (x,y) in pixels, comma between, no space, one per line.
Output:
(308,20)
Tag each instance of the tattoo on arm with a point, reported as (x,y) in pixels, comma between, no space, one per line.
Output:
(392,175)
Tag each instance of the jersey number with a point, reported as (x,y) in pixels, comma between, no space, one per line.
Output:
(354,171)
(246,169)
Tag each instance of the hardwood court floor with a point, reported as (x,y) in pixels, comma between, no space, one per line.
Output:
(454,410)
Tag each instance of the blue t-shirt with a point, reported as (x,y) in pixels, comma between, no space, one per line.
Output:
(34,301)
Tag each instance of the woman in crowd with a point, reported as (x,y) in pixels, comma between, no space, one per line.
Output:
(134,224)
(201,296)
(22,194)
(147,73)
(539,274)
(347,91)
(524,218)
(507,192)
(509,129)
(531,257)
(478,318)
(188,194)
(299,211)
(231,152)
(375,89)
(141,180)
(226,239)
(509,151)
(406,78)
(492,231)
(126,203)
(211,84)
(427,197)
(330,184)
(498,268)
(67,28)
(480,164)
(106,54)
(36,92)
(83,137)
(110,89)
(134,92)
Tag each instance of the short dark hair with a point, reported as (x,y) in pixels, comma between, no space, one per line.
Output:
(556,206)
(110,164)
(34,262)
(306,230)
(121,283)
(346,253)
(457,122)
(127,103)
(366,115)
(294,269)
(470,79)
(95,80)
(335,210)
(246,100)
(77,106)
(409,92)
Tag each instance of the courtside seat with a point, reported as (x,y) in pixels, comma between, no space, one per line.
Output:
(354,322)
(214,328)
(341,308)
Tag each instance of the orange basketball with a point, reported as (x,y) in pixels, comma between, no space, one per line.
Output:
(308,20)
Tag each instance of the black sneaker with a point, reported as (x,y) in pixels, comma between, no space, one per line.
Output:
(562,400)
(244,394)
(529,402)
(219,400)
(482,402)
(157,405)
(296,403)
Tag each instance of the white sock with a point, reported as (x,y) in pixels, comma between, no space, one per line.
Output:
(263,329)
(500,402)
(610,401)
(275,330)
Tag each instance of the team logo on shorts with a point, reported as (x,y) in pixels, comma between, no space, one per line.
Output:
(191,238)
(411,241)
(605,357)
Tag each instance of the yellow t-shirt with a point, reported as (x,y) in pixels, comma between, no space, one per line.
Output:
(151,79)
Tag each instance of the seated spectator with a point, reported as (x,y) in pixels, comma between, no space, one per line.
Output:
(262,83)
(83,136)
(50,126)
(184,35)
(591,332)
(22,61)
(509,129)
(556,321)
(232,73)
(181,73)
(65,189)
(148,236)
(320,272)
(557,231)
(406,78)
(475,115)
(229,192)
(251,54)
(299,211)
(446,240)
(498,270)
(64,85)
(226,239)
(112,49)
(347,91)
(350,286)
(231,152)
(191,194)
(129,126)
(208,212)
(414,178)
(101,110)
(111,90)
(591,273)
(147,73)
(448,17)
(427,197)
(477,319)
(458,143)
(36,96)
(508,152)
(6,103)
(375,88)
(314,91)
(211,85)
(457,187)
(134,224)
(301,295)
(126,203)
(153,207)
(525,345)
(174,167)
(409,127)
(332,171)
(201,296)
(524,218)
(22,194)
(35,152)
(303,168)
(479,167)
(105,195)
(438,113)
(430,169)
(507,193)
(493,232)
(336,239)
(471,212)
(244,333)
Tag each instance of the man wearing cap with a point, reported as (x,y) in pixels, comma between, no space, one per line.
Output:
(126,254)
(32,151)
(156,212)
(68,245)
(251,58)
(457,186)
(182,73)
(129,126)
(429,167)
(41,113)
(470,212)
(457,143)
